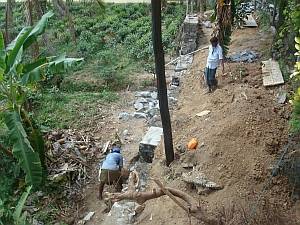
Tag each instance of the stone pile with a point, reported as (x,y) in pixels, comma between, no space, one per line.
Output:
(189,34)
(189,44)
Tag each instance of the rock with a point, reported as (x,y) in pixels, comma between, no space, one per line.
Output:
(121,213)
(155,121)
(39,193)
(140,115)
(36,222)
(124,116)
(125,132)
(141,100)
(187,165)
(188,59)
(152,112)
(199,179)
(173,100)
(244,56)
(207,24)
(180,66)
(86,218)
(181,148)
(154,95)
(203,113)
(138,106)
(281,98)
(175,81)
(144,94)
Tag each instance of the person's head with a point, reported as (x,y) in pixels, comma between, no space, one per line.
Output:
(214,41)
(116,150)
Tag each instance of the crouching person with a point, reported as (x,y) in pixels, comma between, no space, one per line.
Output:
(111,171)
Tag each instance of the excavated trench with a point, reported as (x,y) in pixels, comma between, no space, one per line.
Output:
(147,107)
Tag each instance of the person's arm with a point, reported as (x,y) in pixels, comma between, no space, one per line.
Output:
(120,162)
(221,59)
(222,64)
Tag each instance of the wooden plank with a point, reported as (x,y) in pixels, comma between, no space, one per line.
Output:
(271,73)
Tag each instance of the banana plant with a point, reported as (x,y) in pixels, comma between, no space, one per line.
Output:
(20,218)
(18,77)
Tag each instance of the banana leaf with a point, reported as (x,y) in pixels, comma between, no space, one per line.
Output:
(28,159)
(19,218)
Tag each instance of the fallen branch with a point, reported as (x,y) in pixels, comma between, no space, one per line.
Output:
(167,192)
(192,207)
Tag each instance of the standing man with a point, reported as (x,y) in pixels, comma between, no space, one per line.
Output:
(215,57)
(111,171)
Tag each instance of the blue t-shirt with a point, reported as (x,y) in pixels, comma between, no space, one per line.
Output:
(113,161)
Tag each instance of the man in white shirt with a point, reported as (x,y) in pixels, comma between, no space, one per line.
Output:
(214,59)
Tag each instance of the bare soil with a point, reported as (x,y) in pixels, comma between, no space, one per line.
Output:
(239,140)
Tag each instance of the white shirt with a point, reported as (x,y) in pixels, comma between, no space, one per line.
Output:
(215,54)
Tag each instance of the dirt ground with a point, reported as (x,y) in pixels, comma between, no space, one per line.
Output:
(239,140)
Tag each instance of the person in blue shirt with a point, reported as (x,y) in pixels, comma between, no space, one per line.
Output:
(111,170)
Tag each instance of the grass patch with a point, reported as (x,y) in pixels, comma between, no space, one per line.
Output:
(264,20)
(56,109)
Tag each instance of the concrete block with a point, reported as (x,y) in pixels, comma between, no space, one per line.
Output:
(149,142)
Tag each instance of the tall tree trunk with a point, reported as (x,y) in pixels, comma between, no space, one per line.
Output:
(64,11)
(281,7)
(71,24)
(201,5)
(274,12)
(161,80)
(8,21)
(39,11)
(30,22)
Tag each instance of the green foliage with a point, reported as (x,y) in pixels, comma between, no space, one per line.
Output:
(77,108)
(18,78)
(120,26)
(8,172)
(264,20)
(123,26)
(28,159)
(295,121)
(18,216)
(286,32)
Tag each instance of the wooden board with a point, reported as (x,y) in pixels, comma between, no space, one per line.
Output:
(271,73)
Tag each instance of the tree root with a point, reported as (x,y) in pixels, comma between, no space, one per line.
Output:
(191,206)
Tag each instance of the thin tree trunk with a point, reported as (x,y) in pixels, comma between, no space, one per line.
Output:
(71,25)
(8,21)
(39,13)
(202,5)
(274,12)
(64,11)
(161,79)
(30,22)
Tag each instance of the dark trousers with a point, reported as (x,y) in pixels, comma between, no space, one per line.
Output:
(210,77)
(110,177)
